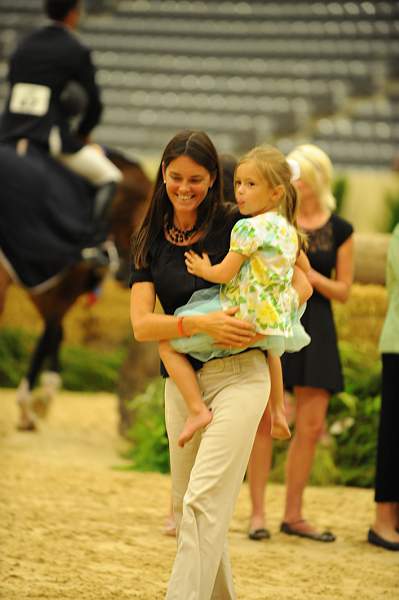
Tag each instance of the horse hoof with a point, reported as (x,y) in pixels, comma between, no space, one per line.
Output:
(27,420)
(41,403)
(50,383)
(27,426)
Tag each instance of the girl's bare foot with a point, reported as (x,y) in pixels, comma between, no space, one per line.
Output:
(280,429)
(194,423)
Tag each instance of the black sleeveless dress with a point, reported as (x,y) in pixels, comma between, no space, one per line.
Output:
(318,364)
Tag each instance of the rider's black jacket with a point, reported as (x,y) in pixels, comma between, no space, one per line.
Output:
(39,70)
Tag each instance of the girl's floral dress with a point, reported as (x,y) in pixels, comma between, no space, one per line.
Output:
(262,289)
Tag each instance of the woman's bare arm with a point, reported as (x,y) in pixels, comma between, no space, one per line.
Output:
(338,288)
(148,326)
(300,283)
(302,262)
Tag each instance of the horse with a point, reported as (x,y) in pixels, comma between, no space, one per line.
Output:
(62,273)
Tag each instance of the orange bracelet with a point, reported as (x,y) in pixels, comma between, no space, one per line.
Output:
(180,327)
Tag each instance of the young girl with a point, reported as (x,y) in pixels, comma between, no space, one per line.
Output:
(258,277)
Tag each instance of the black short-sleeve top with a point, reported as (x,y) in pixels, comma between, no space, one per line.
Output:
(166,269)
(323,245)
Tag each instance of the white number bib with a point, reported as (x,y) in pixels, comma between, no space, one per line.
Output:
(30,99)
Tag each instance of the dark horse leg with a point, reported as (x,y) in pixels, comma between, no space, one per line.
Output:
(26,419)
(46,353)
(52,305)
(125,215)
(47,348)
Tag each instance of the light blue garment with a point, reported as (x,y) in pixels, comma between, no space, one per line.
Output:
(202,346)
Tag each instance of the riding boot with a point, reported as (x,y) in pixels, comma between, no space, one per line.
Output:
(102,204)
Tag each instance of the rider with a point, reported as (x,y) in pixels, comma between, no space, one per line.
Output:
(41,69)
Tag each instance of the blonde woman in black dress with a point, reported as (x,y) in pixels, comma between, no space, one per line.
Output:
(315,372)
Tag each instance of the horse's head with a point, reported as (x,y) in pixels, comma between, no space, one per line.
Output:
(128,208)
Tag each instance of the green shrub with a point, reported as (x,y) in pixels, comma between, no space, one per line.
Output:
(15,348)
(356,442)
(346,454)
(339,189)
(324,470)
(149,451)
(87,370)
(392,201)
(83,369)
(354,415)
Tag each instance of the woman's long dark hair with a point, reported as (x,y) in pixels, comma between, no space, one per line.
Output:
(197,146)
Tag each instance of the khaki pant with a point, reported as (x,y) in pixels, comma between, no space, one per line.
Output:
(208,472)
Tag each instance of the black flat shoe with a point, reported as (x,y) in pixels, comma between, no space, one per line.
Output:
(259,534)
(289,529)
(377,540)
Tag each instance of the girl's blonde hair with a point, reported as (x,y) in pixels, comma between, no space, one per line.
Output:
(317,172)
(274,168)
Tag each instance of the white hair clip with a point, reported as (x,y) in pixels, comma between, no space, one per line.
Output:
(295,169)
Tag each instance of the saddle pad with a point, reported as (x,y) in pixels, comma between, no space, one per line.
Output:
(45,216)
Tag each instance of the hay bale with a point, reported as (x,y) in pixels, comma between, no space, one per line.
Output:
(371,257)
(359,321)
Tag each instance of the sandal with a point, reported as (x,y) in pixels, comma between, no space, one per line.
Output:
(289,529)
(259,534)
(377,540)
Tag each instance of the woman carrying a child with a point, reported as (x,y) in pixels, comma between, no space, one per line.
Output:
(187,215)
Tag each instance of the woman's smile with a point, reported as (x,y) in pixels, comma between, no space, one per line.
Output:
(187,183)
(184,197)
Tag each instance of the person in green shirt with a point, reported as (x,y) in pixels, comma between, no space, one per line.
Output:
(385,530)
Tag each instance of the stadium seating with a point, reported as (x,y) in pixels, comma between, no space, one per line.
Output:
(246,72)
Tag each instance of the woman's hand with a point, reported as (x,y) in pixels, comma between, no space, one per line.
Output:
(339,288)
(197,265)
(223,327)
(257,337)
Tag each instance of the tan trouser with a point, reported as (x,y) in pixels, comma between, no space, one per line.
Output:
(208,472)
(89,162)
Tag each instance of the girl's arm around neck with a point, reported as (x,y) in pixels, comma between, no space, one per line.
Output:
(339,288)
(221,273)
(148,326)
